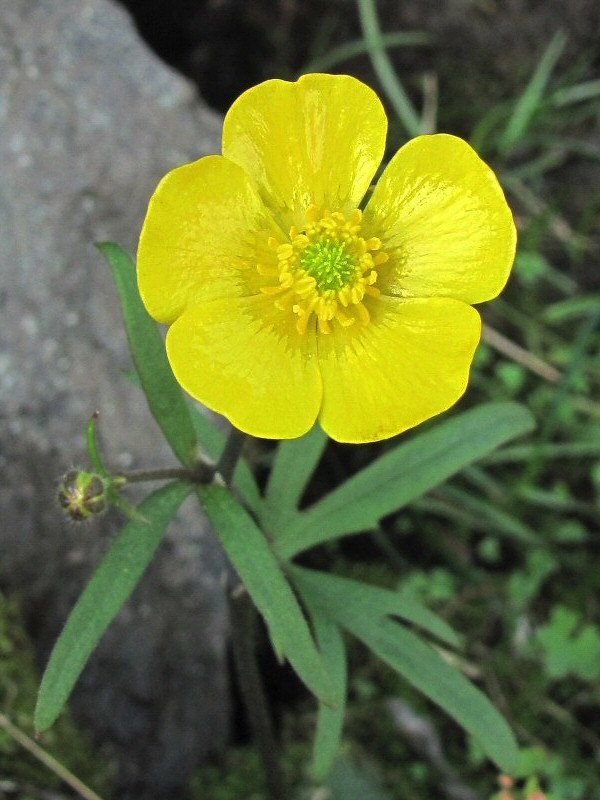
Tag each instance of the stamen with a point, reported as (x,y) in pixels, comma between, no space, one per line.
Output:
(324,269)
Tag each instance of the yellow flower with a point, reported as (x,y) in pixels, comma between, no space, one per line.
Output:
(287,303)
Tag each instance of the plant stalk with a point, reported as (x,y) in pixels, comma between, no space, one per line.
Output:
(242,615)
(243,618)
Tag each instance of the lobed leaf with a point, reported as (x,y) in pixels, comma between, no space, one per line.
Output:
(403,474)
(370,601)
(110,586)
(418,663)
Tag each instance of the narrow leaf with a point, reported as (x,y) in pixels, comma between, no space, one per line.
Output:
(446,686)
(330,719)
(164,395)
(262,576)
(370,601)
(294,463)
(110,586)
(404,474)
(489,518)
(427,671)
(531,99)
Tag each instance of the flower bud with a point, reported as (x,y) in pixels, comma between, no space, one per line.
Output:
(82,494)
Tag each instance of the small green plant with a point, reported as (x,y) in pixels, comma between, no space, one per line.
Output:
(525,521)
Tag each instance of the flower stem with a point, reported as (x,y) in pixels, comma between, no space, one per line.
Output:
(243,618)
(202,473)
(230,455)
(242,615)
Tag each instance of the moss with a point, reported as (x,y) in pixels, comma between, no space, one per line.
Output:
(19,682)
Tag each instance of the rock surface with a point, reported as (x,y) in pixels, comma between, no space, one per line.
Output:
(89,122)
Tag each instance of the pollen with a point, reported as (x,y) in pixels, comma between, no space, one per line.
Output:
(326,270)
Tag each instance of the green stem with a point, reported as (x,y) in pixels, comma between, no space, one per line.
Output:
(242,615)
(384,68)
(202,473)
(230,455)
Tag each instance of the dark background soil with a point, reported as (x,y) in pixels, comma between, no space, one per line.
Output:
(481,50)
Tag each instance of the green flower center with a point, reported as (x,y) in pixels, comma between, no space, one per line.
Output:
(325,269)
(329,263)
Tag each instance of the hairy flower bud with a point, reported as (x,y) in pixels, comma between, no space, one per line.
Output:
(82,494)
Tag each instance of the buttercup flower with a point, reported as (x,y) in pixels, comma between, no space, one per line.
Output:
(287,302)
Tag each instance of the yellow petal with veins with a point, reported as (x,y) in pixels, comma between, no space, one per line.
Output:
(243,359)
(316,141)
(411,362)
(443,220)
(200,238)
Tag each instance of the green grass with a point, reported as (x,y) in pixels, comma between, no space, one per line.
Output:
(72,749)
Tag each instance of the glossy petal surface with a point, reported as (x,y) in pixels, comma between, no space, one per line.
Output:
(242,358)
(443,219)
(200,236)
(411,362)
(318,140)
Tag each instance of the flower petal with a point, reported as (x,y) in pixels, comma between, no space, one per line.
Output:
(318,140)
(199,237)
(411,362)
(245,360)
(443,219)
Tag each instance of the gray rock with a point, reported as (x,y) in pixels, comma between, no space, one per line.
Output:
(89,122)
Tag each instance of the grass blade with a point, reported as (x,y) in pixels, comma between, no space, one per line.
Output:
(529,102)
(348,50)
(384,69)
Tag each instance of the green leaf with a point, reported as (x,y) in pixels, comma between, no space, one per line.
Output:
(164,395)
(531,99)
(211,439)
(488,517)
(110,586)
(427,671)
(294,463)
(405,473)
(569,647)
(255,563)
(330,720)
(350,781)
(370,601)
